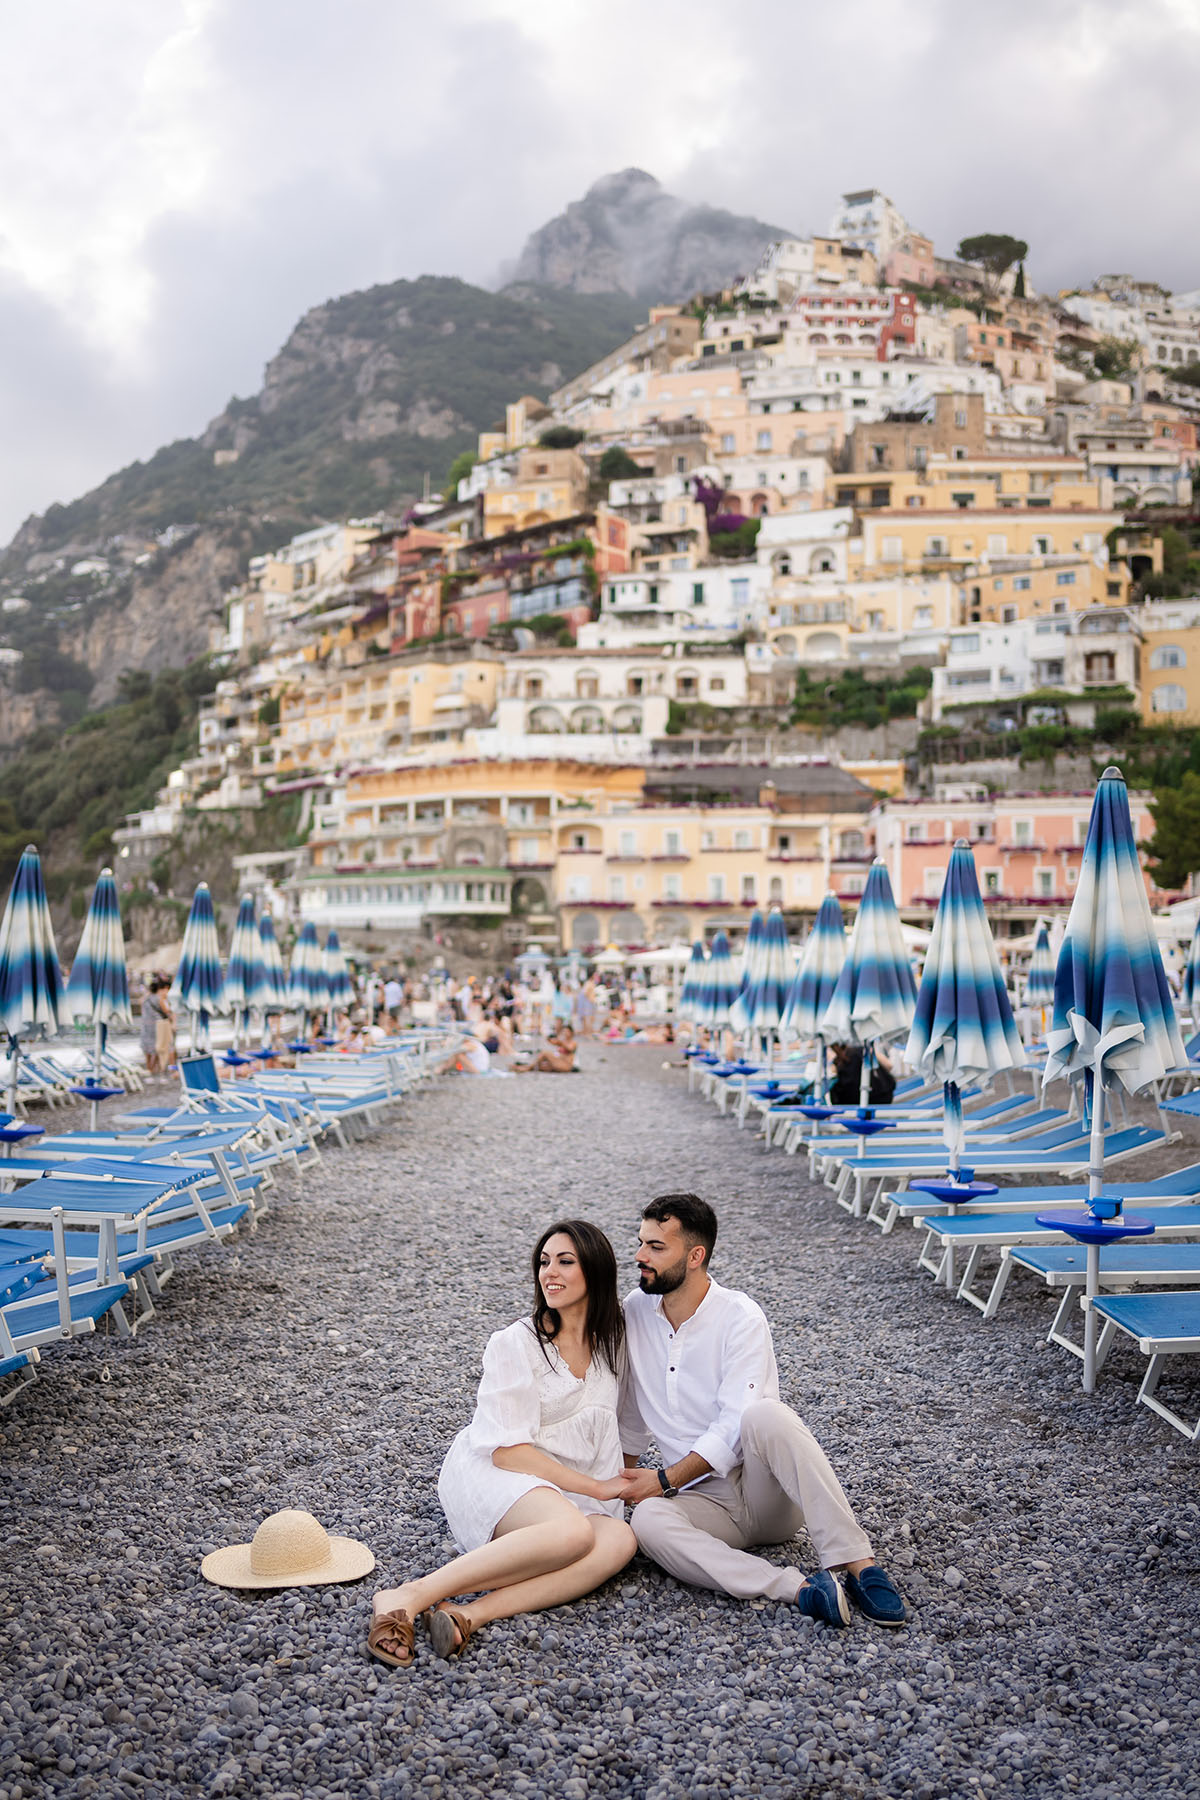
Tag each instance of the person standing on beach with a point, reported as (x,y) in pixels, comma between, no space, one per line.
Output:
(740,1468)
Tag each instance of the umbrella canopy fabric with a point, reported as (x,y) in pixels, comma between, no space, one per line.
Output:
(338,991)
(31,985)
(691,994)
(875,992)
(198,985)
(765,996)
(244,970)
(1039,979)
(1113,1016)
(812,985)
(721,983)
(1191,969)
(739,1011)
(963,1029)
(99,986)
(306,972)
(273,996)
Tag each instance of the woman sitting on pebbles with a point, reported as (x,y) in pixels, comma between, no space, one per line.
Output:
(533,1488)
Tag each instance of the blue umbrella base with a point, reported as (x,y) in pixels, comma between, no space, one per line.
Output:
(14,1134)
(89,1090)
(955,1193)
(1086,1228)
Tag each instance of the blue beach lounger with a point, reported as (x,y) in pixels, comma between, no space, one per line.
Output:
(1161,1325)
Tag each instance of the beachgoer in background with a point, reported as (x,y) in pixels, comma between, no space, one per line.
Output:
(164,1030)
(153,1012)
(741,1468)
(393,999)
(558,1058)
(532,1489)
(846,1086)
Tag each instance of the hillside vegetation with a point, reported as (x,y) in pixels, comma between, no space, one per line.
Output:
(372,392)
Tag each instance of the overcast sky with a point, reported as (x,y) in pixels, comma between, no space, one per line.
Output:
(181,179)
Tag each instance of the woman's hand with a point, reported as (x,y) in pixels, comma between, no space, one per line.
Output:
(613,1487)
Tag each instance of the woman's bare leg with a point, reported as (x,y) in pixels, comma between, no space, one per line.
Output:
(613,1548)
(542,1533)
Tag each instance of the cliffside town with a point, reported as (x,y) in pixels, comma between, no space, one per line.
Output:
(661,649)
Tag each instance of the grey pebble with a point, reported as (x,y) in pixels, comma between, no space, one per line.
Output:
(405,1251)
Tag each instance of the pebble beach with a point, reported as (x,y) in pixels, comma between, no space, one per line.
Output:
(1048,1543)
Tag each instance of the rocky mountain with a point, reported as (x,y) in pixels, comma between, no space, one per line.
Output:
(371,393)
(628,235)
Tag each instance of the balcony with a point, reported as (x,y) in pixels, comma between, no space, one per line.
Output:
(1005,845)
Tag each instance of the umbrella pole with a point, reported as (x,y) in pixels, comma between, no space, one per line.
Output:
(952,1106)
(821,1084)
(14,1051)
(97,1053)
(1095,1183)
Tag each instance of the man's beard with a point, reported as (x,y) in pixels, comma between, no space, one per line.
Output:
(666,1281)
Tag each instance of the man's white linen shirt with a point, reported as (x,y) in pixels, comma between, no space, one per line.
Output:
(689,1388)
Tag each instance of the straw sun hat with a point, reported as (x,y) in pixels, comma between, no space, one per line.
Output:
(290,1549)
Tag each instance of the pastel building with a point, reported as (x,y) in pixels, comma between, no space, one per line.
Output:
(1028,849)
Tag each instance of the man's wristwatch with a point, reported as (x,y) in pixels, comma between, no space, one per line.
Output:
(665,1484)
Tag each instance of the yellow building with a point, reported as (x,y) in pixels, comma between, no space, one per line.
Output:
(1170,690)
(383,706)
(547,485)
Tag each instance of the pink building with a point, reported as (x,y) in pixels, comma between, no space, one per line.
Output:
(1028,849)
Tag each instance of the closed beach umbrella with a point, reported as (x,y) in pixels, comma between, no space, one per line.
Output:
(31,987)
(875,992)
(1113,1017)
(244,973)
(963,1029)
(198,985)
(306,973)
(739,1011)
(692,992)
(767,993)
(721,986)
(274,982)
(1191,971)
(814,981)
(338,991)
(1039,978)
(98,990)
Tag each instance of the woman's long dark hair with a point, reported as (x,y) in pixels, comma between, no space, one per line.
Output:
(605,1326)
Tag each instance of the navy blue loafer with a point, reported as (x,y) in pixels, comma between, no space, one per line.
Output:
(876,1596)
(822,1598)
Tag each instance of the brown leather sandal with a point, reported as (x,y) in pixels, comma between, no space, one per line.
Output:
(443,1621)
(392,1627)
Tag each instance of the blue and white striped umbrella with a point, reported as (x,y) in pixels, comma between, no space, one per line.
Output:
(198,985)
(98,990)
(816,977)
(31,985)
(274,993)
(691,994)
(1191,970)
(739,1011)
(1039,978)
(875,992)
(721,983)
(963,1029)
(338,990)
(765,997)
(245,974)
(306,972)
(1113,1015)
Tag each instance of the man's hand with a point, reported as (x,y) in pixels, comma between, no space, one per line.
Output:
(641,1484)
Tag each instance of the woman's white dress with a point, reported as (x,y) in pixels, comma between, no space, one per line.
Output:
(529,1396)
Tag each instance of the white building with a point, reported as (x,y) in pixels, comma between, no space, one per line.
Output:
(867,220)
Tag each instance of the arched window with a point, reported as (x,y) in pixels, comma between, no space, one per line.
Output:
(588,719)
(1168,656)
(470,850)
(587,685)
(775,893)
(1168,697)
(851,843)
(546,718)
(781,562)
(585,930)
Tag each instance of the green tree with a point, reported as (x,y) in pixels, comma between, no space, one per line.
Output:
(994,251)
(561,437)
(1019,283)
(617,465)
(1174,850)
(1114,357)
(458,471)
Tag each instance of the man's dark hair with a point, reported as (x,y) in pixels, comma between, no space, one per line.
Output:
(697,1220)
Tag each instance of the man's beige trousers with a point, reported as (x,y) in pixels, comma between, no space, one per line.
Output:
(784,1482)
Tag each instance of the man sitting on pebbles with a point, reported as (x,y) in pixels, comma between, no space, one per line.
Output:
(741,1468)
